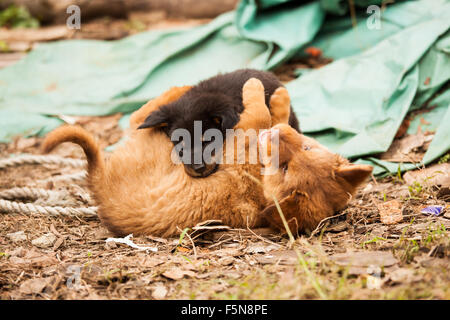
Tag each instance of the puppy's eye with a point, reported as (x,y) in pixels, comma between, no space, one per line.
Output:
(306,147)
(284,168)
(217,120)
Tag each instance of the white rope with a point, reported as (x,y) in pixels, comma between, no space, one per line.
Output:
(67,177)
(28,193)
(51,196)
(33,209)
(38,159)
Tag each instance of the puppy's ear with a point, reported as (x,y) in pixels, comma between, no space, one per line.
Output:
(227,118)
(157,118)
(354,174)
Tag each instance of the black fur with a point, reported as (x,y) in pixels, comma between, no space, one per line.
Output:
(217,102)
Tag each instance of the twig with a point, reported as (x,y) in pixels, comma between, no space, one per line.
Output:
(322,221)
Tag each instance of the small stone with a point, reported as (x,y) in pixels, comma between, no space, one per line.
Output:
(159,292)
(45,241)
(17,236)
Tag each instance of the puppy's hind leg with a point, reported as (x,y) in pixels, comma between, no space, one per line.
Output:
(256,115)
(280,106)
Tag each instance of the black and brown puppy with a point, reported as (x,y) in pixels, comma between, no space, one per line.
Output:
(217,104)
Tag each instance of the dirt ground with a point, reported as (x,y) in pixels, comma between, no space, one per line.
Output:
(351,256)
(380,247)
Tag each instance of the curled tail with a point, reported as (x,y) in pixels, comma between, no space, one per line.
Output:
(85,140)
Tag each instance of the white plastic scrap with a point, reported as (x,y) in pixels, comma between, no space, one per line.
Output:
(127,240)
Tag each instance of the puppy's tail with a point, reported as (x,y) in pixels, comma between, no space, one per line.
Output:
(85,140)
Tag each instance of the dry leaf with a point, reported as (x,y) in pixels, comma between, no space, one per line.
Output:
(150,262)
(178,274)
(403,275)
(226,261)
(283,257)
(110,245)
(390,212)
(54,231)
(18,252)
(183,249)
(365,259)
(447,213)
(338,227)
(59,242)
(33,35)
(438,174)
(260,247)
(24,143)
(407,149)
(229,252)
(34,286)
(403,128)
(32,258)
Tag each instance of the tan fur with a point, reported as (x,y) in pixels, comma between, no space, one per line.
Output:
(140,190)
(138,117)
(280,106)
(316,184)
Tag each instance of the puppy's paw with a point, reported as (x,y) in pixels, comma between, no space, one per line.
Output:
(253,92)
(280,98)
(280,106)
(253,84)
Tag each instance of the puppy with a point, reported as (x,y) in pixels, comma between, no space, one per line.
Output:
(140,190)
(217,104)
(309,181)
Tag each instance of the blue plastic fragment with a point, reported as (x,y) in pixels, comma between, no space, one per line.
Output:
(434,210)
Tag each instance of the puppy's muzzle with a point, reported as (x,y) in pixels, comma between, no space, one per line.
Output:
(201,170)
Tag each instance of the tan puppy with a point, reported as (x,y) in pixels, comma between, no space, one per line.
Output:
(310,182)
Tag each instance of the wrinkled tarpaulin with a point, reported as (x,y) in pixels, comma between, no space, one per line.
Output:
(354,105)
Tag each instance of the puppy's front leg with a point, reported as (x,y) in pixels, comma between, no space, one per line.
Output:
(256,115)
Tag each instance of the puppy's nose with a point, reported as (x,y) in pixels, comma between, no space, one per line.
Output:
(198,167)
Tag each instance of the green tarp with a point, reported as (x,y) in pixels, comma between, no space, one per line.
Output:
(353,105)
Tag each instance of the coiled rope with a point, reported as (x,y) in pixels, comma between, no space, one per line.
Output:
(32,209)
(8,206)
(33,159)
(27,193)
